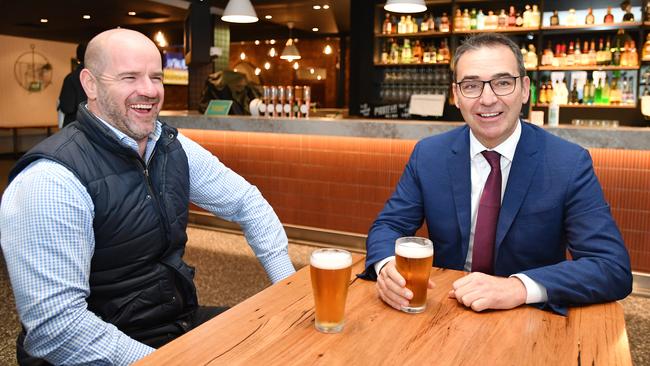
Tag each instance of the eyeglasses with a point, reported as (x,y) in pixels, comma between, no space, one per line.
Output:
(501,86)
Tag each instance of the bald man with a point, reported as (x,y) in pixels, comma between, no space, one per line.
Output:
(94,219)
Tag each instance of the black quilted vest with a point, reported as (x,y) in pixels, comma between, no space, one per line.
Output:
(138,280)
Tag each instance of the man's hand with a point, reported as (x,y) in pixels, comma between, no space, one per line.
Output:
(481,291)
(391,286)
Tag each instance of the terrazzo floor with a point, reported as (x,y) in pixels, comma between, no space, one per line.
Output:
(228,273)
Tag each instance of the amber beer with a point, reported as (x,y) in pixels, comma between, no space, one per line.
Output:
(330,275)
(414,258)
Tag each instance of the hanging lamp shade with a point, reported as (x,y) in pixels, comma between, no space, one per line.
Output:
(290,51)
(239,11)
(405,6)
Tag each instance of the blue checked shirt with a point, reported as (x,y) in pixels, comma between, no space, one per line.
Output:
(46,221)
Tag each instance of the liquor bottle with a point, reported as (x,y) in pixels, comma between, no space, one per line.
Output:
(401,25)
(607,53)
(431,22)
(443,52)
(577,54)
(616,54)
(527,16)
(609,18)
(434,54)
(512,17)
(480,20)
(588,92)
(615,95)
(598,92)
(535,17)
(519,21)
(604,98)
(624,54)
(570,57)
(388,26)
(407,54)
(584,58)
(409,25)
(492,20)
(628,16)
(444,23)
(466,20)
(563,92)
(533,92)
(592,54)
(502,20)
(472,19)
(531,57)
(600,57)
(547,55)
(571,19)
(417,52)
(426,54)
(542,93)
(633,55)
(589,19)
(550,92)
(555,19)
(424,26)
(458,21)
(573,96)
(384,53)
(393,21)
(394,53)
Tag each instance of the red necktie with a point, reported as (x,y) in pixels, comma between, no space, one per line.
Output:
(488,215)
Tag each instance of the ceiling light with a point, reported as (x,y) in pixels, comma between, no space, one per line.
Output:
(268,17)
(257,42)
(43,20)
(272,41)
(315,29)
(267,65)
(272,52)
(327,50)
(319,77)
(258,71)
(242,56)
(290,51)
(131,13)
(316,7)
(296,66)
(405,6)
(312,71)
(86,16)
(239,11)
(160,39)
(326,6)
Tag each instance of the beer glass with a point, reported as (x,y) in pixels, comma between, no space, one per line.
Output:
(330,274)
(414,258)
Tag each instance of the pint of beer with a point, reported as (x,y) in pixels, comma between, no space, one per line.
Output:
(414,258)
(330,276)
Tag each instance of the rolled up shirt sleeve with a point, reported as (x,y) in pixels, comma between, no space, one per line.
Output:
(216,188)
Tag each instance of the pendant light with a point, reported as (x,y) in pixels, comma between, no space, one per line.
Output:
(239,11)
(405,6)
(290,51)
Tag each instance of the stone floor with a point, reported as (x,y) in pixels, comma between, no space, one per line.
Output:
(227,273)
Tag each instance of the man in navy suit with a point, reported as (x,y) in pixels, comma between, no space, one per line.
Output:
(551,201)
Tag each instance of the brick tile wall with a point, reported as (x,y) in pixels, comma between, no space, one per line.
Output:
(342,183)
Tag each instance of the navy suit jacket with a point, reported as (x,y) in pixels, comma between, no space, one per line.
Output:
(553,202)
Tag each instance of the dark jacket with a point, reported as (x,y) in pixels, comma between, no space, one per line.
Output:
(71,95)
(138,280)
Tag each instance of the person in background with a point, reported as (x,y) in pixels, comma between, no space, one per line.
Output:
(71,92)
(94,219)
(503,199)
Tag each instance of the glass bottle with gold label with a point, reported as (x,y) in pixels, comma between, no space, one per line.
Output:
(589,19)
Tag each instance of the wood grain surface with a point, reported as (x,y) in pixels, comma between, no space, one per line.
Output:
(276,327)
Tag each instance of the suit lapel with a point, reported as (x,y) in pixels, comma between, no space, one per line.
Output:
(460,181)
(523,167)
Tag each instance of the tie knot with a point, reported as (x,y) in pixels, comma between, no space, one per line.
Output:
(493,158)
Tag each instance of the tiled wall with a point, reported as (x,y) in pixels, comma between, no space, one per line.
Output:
(342,183)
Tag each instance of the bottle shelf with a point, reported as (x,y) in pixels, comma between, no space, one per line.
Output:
(413,35)
(587,28)
(412,64)
(620,106)
(498,30)
(586,68)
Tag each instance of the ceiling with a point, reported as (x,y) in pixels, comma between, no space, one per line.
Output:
(65,22)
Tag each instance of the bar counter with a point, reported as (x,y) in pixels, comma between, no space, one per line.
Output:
(336,174)
(628,138)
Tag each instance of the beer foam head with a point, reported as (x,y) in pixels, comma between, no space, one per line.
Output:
(413,250)
(331,259)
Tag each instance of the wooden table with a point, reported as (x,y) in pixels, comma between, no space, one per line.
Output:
(276,327)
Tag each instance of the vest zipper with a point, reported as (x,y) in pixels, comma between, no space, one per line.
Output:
(152,193)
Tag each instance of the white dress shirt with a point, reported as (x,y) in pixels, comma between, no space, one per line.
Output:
(480,169)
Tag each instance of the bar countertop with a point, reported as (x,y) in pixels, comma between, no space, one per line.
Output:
(628,138)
